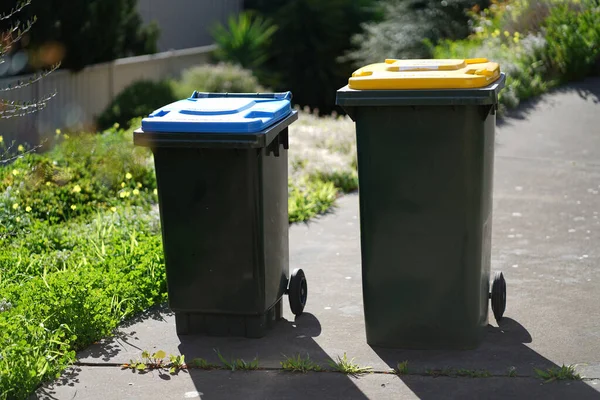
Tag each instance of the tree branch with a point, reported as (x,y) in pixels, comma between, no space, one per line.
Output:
(15,10)
(33,79)
(12,109)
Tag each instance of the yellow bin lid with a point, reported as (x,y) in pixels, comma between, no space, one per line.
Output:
(425,74)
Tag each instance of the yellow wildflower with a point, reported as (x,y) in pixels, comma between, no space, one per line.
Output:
(135,192)
(15,172)
(139,185)
(122,184)
(58,131)
(48,183)
(506,33)
(15,206)
(1,139)
(116,125)
(28,209)
(21,148)
(155,191)
(77,189)
(124,194)
(73,207)
(18,219)
(128,176)
(66,136)
(113,209)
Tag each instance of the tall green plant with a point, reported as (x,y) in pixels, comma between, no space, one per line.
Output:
(245,40)
(573,41)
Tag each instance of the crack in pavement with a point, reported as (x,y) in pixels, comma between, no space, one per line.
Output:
(374,372)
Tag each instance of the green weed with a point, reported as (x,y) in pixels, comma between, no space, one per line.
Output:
(238,364)
(402,368)
(565,372)
(300,364)
(348,367)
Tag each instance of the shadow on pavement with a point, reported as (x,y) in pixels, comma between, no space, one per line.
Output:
(504,348)
(588,89)
(294,336)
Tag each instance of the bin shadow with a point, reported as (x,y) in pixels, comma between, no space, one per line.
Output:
(287,338)
(504,349)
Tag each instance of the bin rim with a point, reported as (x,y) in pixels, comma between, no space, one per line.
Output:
(234,140)
(488,95)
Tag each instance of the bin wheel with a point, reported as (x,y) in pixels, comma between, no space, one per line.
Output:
(297,291)
(498,296)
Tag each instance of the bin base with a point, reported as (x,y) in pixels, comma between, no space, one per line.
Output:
(249,326)
(457,340)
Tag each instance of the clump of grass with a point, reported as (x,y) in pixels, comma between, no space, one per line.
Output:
(439,372)
(473,373)
(238,364)
(402,368)
(309,197)
(512,372)
(201,363)
(565,372)
(348,367)
(300,364)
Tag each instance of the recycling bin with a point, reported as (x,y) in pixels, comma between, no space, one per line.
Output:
(425,147)
(222,180)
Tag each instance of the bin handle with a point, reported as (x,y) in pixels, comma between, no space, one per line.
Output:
(277,96)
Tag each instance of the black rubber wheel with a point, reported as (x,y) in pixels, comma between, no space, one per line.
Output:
(498,296)
(298,291)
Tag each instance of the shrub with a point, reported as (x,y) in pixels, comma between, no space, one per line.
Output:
(408,25)
(573,41)
(245,40)
(83,174)
(219,78)
(559,42)
(137,100)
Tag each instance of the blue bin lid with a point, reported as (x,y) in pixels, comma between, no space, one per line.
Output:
(220,113)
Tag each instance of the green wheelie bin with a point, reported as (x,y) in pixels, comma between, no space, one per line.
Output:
(425,145)
(222,176)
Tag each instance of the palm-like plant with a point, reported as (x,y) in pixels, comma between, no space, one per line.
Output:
(245,40)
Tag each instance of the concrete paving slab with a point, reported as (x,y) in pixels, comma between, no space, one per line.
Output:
(106,383)
(545,235)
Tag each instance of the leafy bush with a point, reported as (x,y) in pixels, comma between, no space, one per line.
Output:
(573,41)
(559,42)
(219,78)
(83,174)
(408,25)
(304,52)
(309,197)
(245,40)
(137,100)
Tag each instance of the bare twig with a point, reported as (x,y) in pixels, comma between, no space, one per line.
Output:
(12,109)
(33,79)
(15,10)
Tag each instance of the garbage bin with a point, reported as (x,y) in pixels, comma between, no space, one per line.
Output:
(425,145)
(221,170)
